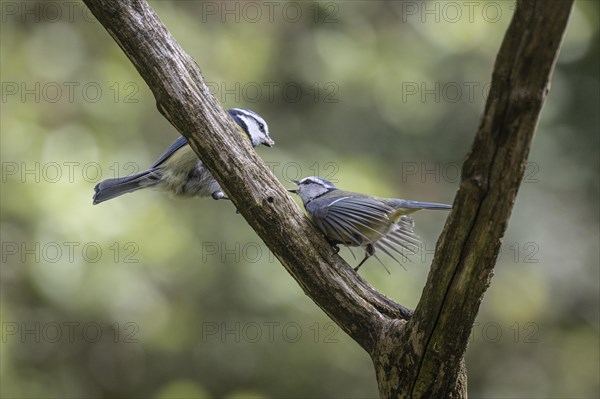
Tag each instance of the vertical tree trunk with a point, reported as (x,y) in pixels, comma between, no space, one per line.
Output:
(425,357)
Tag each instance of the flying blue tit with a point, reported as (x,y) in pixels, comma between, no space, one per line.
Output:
(359,220)
(179,171)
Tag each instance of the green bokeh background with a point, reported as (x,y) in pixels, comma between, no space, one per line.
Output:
(149,296)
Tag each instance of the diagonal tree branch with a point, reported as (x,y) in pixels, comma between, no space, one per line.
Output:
(435,339)
(184,99)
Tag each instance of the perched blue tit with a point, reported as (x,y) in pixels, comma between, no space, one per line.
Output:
(179,171)
(359,220)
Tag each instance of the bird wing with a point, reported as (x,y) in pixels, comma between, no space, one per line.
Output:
(402,239)
(351,220)
(177,144)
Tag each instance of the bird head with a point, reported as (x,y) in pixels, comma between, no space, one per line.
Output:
(312,187)
(253,125)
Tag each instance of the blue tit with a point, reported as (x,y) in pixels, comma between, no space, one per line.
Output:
(179,171)
(359,220)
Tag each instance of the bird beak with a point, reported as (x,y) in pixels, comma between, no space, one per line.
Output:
(296,183)
(269,143)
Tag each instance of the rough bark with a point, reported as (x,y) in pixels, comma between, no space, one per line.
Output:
(422,356)
(426,355)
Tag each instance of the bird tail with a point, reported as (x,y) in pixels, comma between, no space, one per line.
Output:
(411,206)
(111,188)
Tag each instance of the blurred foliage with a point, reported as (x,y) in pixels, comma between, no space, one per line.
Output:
(148,296)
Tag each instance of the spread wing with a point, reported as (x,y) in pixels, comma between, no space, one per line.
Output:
(357,221)
(177,144)
(402,240)
(350,220)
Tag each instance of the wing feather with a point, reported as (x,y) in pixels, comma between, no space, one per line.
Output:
(381,263)
(177,144)
(344,232)
(356,221)
(384,243)
(408,246)
(330,231)
(362,216)
(388,249)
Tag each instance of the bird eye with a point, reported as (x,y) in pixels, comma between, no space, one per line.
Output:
(261,127)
